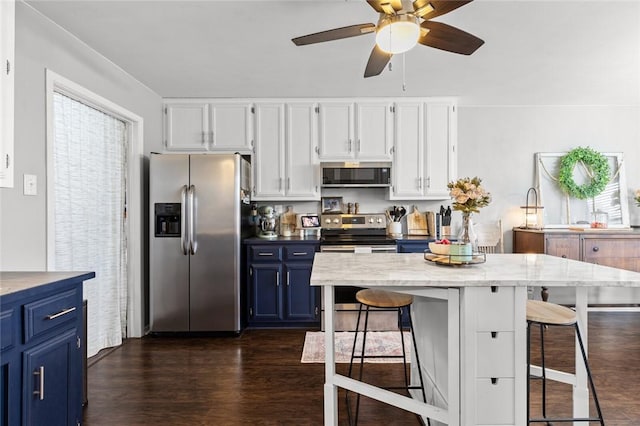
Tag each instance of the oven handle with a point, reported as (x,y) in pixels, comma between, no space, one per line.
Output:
(358,249)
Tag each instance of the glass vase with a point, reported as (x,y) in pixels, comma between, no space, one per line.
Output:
(467,232)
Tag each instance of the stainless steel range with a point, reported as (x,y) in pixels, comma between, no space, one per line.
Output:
(356,233)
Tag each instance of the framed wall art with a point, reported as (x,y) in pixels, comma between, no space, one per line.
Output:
(564,211)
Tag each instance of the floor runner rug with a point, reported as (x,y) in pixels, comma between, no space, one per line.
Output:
(378,343)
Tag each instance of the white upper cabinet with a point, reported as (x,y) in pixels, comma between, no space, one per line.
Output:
(355,131)
(268,161)
(302,167)
(231,127)
(408,165)
(187,127)
(285,163)
(374,131)
(7,53)
(195,125)
(335,128)
(425,157)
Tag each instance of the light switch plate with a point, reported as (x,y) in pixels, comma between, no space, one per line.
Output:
(30,185)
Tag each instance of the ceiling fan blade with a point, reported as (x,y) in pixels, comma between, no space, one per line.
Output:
(438,7)
(377,61)
(388,7)
(334,34)
(445,37)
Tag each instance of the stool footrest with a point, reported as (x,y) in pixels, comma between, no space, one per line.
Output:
(565,420)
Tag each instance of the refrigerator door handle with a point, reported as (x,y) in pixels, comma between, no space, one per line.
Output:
(183,226)
(193,200)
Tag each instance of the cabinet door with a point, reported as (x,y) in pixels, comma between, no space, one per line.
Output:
(335,125)
(268,165)
(374,131)
(301,161)
(567,246)
(231,127)
(9,388)
(266,294)
(187,126)
(7,53)
(300,296)
(439,149)
(52,382)
(407,171)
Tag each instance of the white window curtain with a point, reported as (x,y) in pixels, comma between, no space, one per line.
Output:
(89,158)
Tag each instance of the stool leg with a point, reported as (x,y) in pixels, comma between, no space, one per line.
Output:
(353,352)
(404,353)
(586,365)
(364,342)
(415,352)
(528,376)
(544,373)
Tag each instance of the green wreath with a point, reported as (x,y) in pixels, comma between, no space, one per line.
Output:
(597,167)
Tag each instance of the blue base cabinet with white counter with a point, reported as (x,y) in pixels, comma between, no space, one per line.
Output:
(41,348)
(278,290)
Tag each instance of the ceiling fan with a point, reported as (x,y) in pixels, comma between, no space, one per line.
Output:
(401,26)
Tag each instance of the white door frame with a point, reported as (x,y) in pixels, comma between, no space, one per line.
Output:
(55,82)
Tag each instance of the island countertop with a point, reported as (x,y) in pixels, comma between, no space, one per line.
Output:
(515,270)
(13,282)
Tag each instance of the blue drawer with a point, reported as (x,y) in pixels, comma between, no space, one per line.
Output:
(299,252)
(266,253)
(49,313)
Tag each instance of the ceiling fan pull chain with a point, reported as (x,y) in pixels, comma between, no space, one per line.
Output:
(404,80)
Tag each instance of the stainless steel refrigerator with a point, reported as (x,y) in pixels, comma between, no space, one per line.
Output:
(199,206)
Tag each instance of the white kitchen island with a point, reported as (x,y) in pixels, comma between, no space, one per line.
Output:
(470,325)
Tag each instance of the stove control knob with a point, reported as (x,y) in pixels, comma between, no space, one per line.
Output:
(370,220)
(327,221)
(379,220)
(336,221)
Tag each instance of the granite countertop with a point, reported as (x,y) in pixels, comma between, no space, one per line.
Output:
(411,269)
(13,282)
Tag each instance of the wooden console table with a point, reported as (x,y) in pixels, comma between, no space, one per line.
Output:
(618,248)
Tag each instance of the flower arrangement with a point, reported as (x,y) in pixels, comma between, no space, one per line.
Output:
(637,197)
(468,195)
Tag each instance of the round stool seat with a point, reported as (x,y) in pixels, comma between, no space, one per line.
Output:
(549,313)
(383,299)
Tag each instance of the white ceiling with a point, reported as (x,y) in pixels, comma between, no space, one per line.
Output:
(564,52)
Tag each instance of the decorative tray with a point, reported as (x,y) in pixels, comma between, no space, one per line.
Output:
(456,259)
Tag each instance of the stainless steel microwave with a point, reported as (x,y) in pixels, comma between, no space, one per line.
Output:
(341,175)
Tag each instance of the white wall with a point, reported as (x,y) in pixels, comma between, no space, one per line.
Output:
(40,44)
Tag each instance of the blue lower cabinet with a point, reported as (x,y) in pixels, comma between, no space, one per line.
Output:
(301,298)
(265,294)
(279,293)
(50,377)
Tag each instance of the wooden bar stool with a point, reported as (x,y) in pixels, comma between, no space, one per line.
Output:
(549,314)
(388,301)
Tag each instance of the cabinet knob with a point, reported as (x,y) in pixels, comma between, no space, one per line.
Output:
(596,248)
(564,256)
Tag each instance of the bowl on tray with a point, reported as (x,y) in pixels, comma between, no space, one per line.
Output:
(438,248)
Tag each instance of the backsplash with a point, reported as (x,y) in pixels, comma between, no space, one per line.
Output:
(371,200)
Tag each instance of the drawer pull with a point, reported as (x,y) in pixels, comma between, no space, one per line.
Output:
(299,253)
(61,313)
(596,248)
(40,392)
(265,254)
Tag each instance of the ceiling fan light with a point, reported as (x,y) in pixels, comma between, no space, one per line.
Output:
(397,34)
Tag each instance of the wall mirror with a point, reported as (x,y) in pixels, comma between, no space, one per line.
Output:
(562,211)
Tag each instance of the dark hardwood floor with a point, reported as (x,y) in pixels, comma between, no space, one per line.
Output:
(257,379)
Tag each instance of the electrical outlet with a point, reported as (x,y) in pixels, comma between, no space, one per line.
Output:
(30,185)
